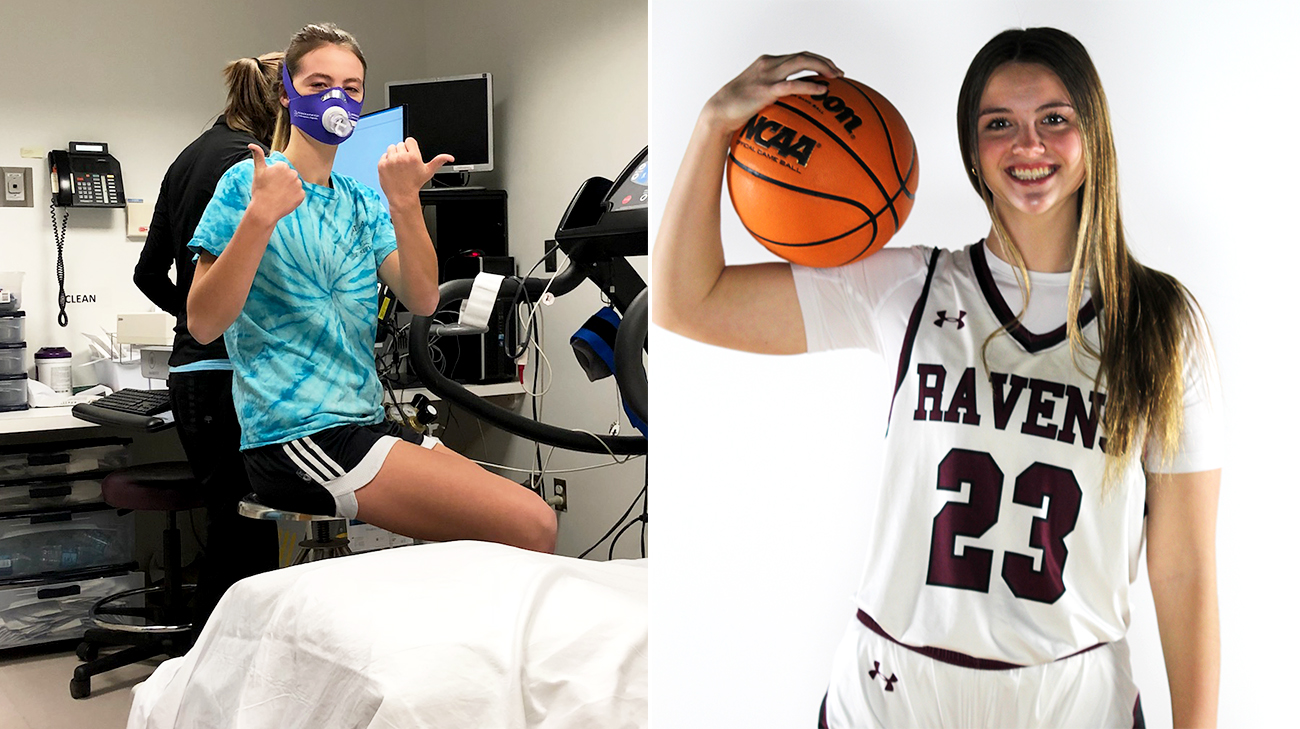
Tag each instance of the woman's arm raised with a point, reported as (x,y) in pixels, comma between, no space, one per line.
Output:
(221,285)
(752,308)
(411,270)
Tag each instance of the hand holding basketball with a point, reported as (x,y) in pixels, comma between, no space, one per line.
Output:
(823,179)
(277,189)
(765,81)
(403,171)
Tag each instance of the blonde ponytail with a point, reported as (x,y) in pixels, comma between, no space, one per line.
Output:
(253,94)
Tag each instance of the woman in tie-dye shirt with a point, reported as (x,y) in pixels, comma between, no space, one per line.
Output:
(289,258)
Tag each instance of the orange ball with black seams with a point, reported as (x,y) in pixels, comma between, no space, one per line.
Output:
(824,180)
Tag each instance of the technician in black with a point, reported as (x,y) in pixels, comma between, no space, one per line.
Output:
(200,380)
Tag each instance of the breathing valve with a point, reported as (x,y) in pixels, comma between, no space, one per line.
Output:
(336,121)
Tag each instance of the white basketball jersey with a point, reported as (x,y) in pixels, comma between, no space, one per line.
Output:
(992,536)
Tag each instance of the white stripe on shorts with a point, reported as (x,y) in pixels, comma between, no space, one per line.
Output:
(329,462)
(329,474)
(302,465)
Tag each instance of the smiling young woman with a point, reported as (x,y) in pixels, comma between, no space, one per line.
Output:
(1054,407)
(1031,158)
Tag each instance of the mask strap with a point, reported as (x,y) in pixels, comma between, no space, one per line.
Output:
(287,80)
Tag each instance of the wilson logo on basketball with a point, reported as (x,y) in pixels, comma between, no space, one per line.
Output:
(844,205)
(782,139)
(843,114)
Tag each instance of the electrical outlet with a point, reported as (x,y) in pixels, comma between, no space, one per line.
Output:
(17,187)
(561,497)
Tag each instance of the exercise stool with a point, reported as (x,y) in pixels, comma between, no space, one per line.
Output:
(321,542)
(150,630)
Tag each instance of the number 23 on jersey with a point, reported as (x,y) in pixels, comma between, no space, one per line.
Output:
(972,569)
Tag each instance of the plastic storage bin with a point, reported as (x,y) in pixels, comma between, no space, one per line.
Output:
(13,327)
(50,494)
(13,358)
(11,290)
(40,460)
(13,392)
(42,611)
(62,541)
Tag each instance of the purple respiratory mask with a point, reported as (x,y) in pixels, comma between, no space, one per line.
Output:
(328,117)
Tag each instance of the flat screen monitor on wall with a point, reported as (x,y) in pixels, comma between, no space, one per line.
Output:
(358,155)
(451,115)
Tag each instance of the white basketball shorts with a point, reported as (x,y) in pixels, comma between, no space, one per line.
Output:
(878,682)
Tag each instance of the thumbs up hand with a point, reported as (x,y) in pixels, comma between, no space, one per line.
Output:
(277,189)
(403,171)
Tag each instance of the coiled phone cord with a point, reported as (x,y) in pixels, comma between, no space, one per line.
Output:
(59,234)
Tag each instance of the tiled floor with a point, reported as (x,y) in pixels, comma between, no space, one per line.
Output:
(34,691)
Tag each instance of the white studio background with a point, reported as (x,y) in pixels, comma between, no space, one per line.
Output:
(766,468)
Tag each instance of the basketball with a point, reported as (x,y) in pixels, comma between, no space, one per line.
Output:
(824,180)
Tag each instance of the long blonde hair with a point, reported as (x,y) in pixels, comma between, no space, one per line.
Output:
(1148,321)
(253,94)
(305,41)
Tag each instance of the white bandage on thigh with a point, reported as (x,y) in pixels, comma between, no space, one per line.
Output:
(344,488)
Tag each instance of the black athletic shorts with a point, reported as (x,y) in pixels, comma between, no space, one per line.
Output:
(319,473)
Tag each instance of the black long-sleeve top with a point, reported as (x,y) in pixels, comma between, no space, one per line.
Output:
(186,189)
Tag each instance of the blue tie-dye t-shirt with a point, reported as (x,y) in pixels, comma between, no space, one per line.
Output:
(303,346)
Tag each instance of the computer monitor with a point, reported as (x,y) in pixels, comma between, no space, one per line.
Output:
(358,155)
(451,115)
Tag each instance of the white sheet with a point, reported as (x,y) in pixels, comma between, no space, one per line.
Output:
(439,636)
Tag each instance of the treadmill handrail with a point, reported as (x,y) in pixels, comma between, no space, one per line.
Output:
(511,422)
(559,284)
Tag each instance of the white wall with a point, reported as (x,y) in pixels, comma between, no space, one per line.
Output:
(569,81)
(145,77)
(771,463)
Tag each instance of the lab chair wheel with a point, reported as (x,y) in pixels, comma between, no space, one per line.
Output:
(87,651)
(80,688)
(141,648)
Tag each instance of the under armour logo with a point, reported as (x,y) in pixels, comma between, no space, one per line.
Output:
(889,682)
(943,317)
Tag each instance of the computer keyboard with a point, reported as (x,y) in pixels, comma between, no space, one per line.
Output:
(136,402)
